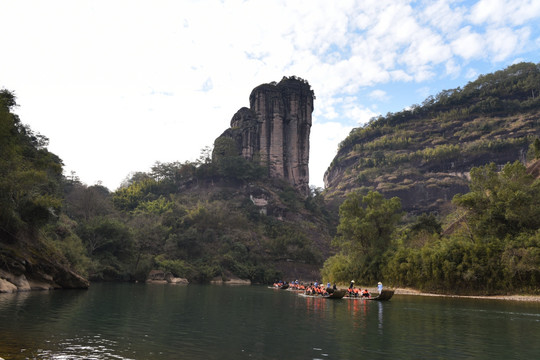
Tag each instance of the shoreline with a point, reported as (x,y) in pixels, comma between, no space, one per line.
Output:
(526,298)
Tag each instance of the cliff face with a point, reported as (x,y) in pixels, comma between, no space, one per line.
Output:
(424,154)
(423,165)
(275,130)
(29,265)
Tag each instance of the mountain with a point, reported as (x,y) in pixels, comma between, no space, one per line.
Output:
(243,210)
(424,154)
(273,131)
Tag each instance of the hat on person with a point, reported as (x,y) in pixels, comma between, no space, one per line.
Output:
(380,283)
(352,281)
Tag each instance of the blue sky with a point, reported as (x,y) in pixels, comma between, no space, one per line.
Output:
(119,85)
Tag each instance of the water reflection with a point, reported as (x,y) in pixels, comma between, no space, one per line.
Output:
(128,321)
(380,306)
(316,306)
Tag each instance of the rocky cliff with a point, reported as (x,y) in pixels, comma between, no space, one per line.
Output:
(424,154)
(30,265)
(274,131)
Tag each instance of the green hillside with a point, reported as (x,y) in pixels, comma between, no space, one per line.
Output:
(30,201)
(200,221)
(424,154)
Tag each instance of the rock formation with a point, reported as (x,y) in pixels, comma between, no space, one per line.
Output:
(26,268)
(274,130)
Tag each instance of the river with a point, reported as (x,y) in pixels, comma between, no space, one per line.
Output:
(150,321)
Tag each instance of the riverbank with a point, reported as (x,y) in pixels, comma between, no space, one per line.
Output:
(409,291)
(528,298)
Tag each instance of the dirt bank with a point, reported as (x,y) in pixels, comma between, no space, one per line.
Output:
(530,298)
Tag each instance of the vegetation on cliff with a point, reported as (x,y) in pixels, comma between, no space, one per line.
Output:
(198,220)
(30,202)
(456,163)
(424,154)
(492,245)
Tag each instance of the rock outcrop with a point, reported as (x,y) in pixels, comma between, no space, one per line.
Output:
(274,131)
(24,269)
(162,277)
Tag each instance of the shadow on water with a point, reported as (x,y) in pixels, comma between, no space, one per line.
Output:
(145,321)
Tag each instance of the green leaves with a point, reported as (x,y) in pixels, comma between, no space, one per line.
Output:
(495,244)
(29,174)
(367,222)
(364,233)
(504,203)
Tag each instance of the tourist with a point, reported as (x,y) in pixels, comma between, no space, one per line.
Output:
(379,287)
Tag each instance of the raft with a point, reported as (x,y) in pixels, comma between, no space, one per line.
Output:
(279,287)
(337,294)
(385,295)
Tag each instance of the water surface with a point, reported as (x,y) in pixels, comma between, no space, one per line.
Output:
(146,321)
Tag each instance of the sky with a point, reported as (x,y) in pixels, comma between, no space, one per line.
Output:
(119,85)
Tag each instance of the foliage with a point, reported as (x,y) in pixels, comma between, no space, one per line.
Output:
(367,223)
(31,202)
(494,118)
(495,247)
(62,236)
(364,233)
(29,174)
(426,223)
(504,203)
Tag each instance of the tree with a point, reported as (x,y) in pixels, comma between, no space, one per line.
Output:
(365,230)
(367,223)
(84,203)
(29,174)
(504,203)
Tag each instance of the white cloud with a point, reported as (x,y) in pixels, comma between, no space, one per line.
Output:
(452,68)
(468,44)
(324,145)
(378,94)
(443,17)
(471,74)
(119,85)
(504,42)
(505,12)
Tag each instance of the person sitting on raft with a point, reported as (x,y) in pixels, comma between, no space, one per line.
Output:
(365,293)
(352,292)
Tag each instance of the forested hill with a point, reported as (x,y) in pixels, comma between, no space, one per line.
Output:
(424,154)
(30,201)
(208,220)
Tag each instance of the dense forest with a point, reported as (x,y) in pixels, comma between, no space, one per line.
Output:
(195,220)
(221,217)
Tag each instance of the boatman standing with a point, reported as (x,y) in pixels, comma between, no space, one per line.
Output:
(379,287)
